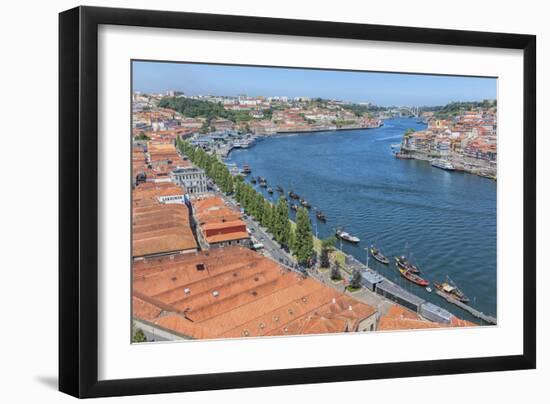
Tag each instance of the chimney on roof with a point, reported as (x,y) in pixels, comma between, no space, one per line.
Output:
(350,308)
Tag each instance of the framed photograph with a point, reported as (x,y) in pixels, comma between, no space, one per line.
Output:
(251,202)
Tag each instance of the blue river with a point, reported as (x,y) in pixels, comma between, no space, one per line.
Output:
(444,221)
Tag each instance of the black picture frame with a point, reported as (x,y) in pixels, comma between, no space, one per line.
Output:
(78,201)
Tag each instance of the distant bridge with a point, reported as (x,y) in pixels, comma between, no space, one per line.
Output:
(414,111)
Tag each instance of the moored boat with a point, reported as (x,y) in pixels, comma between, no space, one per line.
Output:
(253,180)
(320,216)
(412,277)
(305,203)
(279,189)
(378,256)
(294,207)
(263,184)
(246,169)
(450,289)
(402,262)
(443,164)
(270,190)
(293,195)
(344,235)
(403,156)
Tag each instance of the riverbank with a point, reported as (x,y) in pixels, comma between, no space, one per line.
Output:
(446,223)
(465,164)
(325,129)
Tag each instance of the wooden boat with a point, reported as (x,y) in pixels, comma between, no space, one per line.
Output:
(293,195)
(402,262)
(378,256)
(246,169)
(294,207)
(320,216)
(412,277)
(270,190)
(449,288)
(305,203)
(279,189)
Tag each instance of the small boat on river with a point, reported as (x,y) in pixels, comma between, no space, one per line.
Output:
(443,164)
(344,235)
(449,288)
(402,262)
(378,256)
(293,195)
(412,277)
(279,189)
(270,190)
(305,203)
(246,169)
(320,216)
(294,207)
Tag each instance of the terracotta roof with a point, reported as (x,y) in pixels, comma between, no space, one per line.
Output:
(218,223)
(400,318)
(159,228)
(235,292)
(220,238)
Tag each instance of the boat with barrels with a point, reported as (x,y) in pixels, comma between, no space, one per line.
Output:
(412,277)
(404,263)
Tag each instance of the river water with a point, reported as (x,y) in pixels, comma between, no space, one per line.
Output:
(445,221)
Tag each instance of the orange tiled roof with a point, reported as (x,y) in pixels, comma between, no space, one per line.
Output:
(159,228)
(400,318)
(235,292)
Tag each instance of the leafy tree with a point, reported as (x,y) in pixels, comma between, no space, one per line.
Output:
(266,214)
(138,335)
(292,239)
(355,281)
(327,245)
(335,273)
(141,136)
(303,247)
(325,261)
(281,223)
(204,128)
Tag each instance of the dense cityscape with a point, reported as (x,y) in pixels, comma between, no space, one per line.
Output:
(213,258)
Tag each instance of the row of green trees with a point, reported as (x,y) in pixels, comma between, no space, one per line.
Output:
(274,217)
(213,167)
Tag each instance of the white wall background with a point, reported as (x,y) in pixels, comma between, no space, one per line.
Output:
(28,223)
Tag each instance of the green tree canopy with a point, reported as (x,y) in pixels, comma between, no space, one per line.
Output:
(303,246)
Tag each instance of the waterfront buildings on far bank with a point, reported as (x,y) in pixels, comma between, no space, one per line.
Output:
(468,141)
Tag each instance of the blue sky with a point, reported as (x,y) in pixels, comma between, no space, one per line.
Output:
(379,88)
